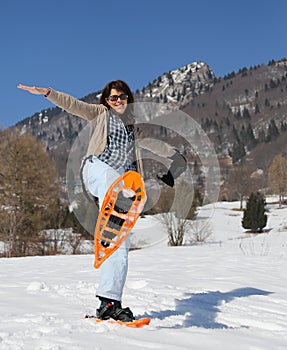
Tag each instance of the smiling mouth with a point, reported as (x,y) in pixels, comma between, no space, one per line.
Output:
(120,107)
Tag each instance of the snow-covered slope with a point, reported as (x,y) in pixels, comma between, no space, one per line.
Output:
(227,294)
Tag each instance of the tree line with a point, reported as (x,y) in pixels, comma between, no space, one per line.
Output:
(31,200)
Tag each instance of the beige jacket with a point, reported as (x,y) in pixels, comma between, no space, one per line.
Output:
(97,114)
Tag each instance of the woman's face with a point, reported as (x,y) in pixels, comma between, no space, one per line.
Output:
(117,100)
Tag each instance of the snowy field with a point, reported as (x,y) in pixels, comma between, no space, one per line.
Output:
(230,293)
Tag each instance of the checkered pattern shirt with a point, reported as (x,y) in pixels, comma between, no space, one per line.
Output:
(119,151)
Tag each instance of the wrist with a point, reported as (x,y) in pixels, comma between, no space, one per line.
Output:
(47,92)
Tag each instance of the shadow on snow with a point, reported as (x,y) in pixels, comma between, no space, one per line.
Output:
(201,309)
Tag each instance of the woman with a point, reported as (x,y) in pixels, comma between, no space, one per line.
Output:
(110,153)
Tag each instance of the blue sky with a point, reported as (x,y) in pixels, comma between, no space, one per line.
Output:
(77,46)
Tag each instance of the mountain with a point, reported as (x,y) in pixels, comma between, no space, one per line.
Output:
(180,86)
(243,113)
(249,109)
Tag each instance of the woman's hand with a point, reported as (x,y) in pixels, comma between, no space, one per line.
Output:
(34,90)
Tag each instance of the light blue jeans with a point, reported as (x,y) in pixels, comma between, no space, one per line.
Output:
(98,176)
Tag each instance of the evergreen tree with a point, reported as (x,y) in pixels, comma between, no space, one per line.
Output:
(237,115)
(250,138)
(246,114)
(261,136)
(283,126)
(238,152)
(254,217)
(273,131)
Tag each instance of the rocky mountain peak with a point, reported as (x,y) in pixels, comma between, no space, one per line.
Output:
(178,86)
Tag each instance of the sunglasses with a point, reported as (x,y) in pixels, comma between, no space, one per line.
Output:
(114,98)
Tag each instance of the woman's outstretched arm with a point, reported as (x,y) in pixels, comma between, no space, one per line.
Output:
(35,90)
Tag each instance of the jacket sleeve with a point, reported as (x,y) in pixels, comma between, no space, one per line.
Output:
(158,147)
(177,162)
(72,105)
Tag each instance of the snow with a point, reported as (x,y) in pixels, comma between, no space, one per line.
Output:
(229,293)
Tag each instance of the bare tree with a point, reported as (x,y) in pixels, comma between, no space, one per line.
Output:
(241,183)
(199,231)
(29,190)
(74,240)
(277,177)
(176,228)
(177,220)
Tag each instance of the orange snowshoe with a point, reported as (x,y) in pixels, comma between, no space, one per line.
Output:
(122,205)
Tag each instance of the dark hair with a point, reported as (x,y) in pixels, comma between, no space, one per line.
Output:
(128,117)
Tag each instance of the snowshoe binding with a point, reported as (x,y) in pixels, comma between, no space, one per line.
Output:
(114,310)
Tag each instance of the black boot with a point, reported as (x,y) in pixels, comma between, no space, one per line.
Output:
(113,309)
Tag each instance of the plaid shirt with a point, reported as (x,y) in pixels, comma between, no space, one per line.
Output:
(119,151)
